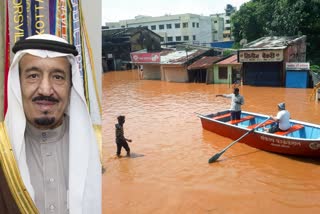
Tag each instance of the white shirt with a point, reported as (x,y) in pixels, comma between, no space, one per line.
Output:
(283,116)
(235,106)
(47,153)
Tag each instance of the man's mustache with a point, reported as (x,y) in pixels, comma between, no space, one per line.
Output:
(45,98)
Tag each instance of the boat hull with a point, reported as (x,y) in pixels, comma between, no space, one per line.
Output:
(263,140)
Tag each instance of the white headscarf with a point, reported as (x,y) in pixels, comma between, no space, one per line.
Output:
(84,163)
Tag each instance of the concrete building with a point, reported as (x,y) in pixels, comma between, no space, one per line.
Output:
(118,43)
(187,28)
(170,65)
(264,60)
(217,22)
(222,24)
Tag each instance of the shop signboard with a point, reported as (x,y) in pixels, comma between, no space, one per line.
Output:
(145,58)
(260,55)
(297,66)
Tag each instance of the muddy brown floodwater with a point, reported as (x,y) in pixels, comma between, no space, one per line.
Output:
(169,171)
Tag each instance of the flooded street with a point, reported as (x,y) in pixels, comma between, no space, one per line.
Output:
(169,172)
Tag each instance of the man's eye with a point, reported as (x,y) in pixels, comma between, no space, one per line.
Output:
(33,76)
(58,77)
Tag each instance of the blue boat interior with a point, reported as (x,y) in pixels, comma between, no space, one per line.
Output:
(251,121)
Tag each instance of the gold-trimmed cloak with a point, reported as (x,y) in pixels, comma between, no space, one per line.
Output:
(14,197)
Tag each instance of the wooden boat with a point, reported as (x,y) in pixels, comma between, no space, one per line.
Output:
(301,139)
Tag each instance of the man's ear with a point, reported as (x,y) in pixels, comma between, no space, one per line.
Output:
(70,76)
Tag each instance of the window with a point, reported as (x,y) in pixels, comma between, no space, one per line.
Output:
(177,25)
(169,26)
(225,35)
(193,24)
(194,37)
(197,25)
(227,28)
(161,39)
(178,38)
(170,39)
(223,73)
(153,27)
(185,24)
(161,27)
(185,38)
(228,21)
(122,26)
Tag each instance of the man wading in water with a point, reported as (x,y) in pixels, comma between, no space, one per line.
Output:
(120,139)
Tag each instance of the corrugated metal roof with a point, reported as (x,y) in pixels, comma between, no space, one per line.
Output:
(204,62)
(176,57)
(271,42)
(232,60)
(180,57)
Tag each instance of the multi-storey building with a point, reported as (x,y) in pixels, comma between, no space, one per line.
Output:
(222,24)
(187,28)
(217,22)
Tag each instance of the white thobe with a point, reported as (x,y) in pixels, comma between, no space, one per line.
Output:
(47,153)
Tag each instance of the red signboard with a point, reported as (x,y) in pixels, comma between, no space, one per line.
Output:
(145,57)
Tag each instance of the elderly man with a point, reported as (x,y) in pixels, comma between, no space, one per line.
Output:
(282,119)
(55,160)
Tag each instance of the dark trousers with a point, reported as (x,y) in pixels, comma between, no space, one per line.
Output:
(275,128)
(123,144)
(235,115)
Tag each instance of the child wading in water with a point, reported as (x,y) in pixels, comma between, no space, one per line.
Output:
(120,139)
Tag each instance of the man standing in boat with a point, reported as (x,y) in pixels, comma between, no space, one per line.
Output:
(236,102)
(282,119)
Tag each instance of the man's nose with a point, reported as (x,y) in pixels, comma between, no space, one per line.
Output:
(45,87)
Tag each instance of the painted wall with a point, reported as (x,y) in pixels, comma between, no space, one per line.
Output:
(151,72)
(210,75)
(217,80)
(176,73)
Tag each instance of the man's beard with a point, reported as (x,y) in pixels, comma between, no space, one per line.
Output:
(45,121)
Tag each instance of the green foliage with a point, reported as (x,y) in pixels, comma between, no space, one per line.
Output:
(228,52)
(315,68)
(247,22)
(258,18)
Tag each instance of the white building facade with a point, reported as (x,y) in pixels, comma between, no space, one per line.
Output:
(187,28)
(221,24)
(217,22)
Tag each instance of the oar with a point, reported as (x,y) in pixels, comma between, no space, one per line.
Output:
(216,156)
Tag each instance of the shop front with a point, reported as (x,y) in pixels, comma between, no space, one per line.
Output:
(264,60)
